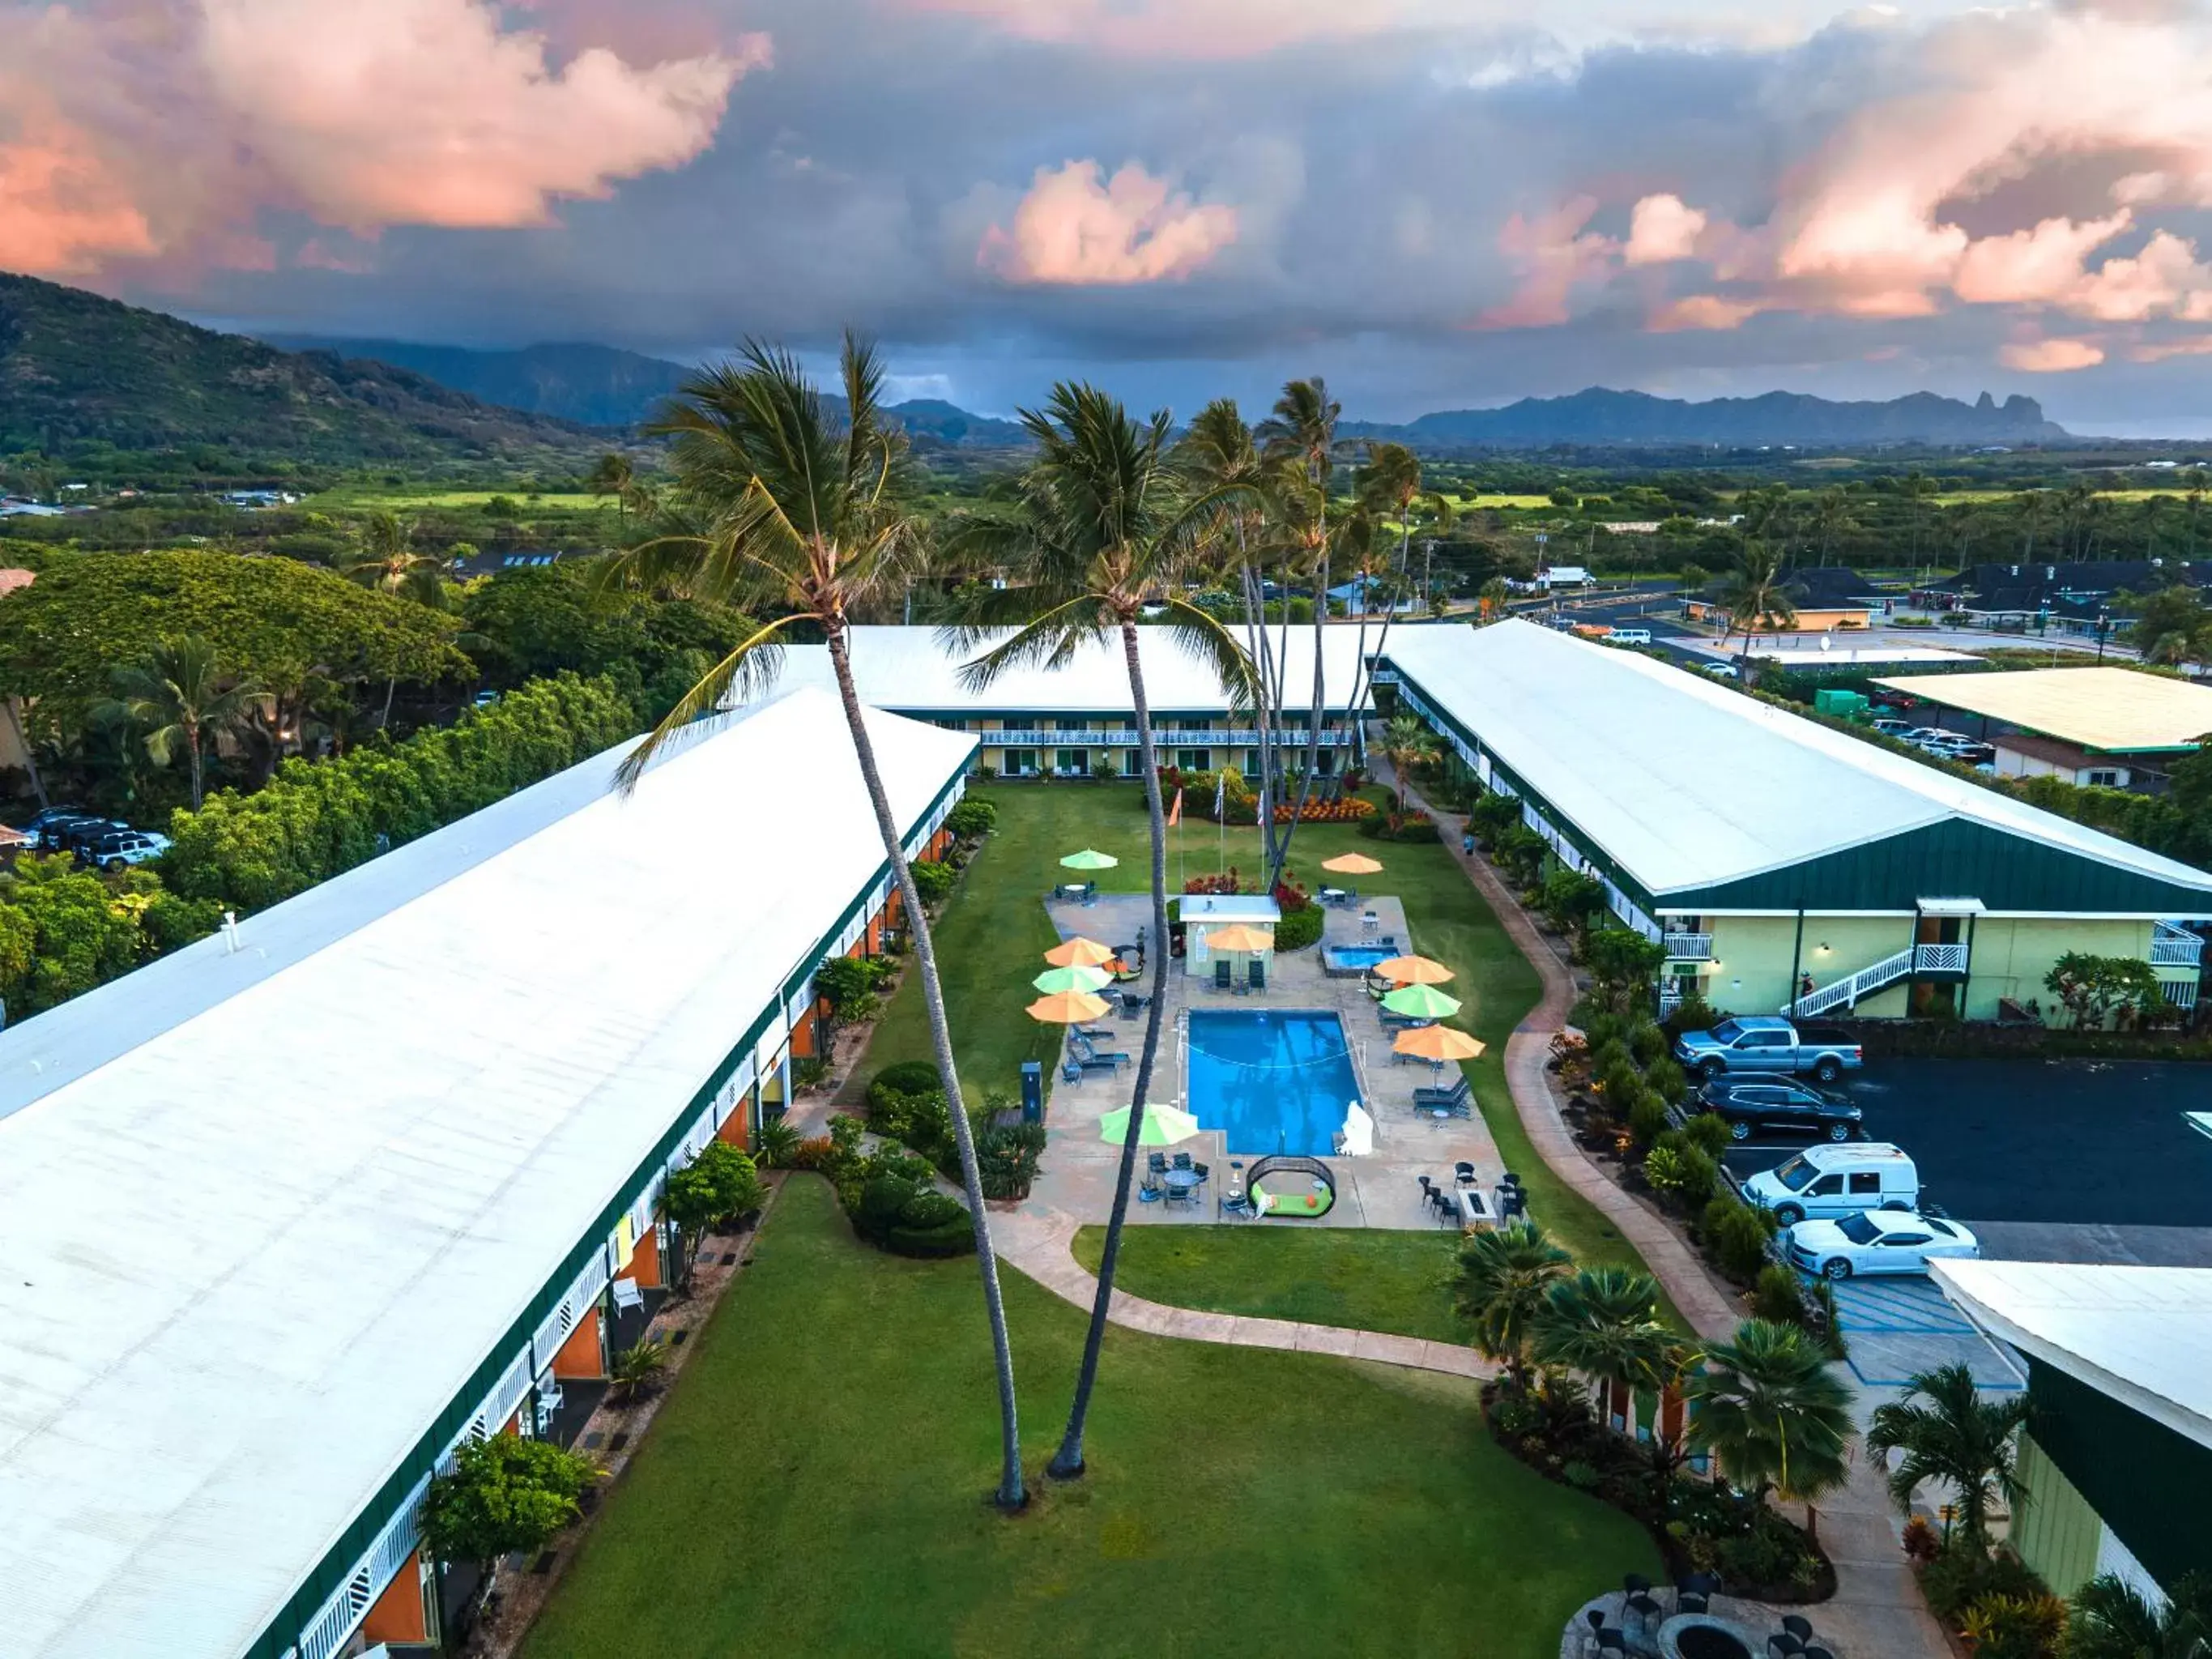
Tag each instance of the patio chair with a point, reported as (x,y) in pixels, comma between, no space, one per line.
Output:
(1256,978)
(1203,1171)
(627,1295)
(1134,1003)
(1798,1626)
(1464,1173)
(1182,1160)
(1148,1191)
(1156,1162)
(1221,974)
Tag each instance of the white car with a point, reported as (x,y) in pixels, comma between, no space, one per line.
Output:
(1723,670)
(1876,1242)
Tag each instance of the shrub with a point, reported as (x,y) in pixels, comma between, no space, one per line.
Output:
(1648,1043)
(777,1145)
(1962,1575)
(898,1214)
(1686,1169)
(1778,1297)
(1580,1476)
(810,1071)
(815,1152)
(2014,1627)
(1299,928)
(637,1370)
(1006,1156)
(1646,1116)
(1692,1013)
(905,1077)
(848,983)
(1410,827)
(1665,1075)
(506,1494)
(972,819)
(1921,1542)
(932,880)
(1736,1236)
(1709,1132)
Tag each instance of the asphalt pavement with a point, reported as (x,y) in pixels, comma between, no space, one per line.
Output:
(2048,1160)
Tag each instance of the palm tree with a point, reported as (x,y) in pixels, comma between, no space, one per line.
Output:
(1955,1437)
(1103,529)
(386,560)
(1389,486)
(2034,506)
(1758,595)
(2111,1620)
(782,510)
(178,699)
(1832,514)
(1604,1323)
(1298,442)
(1772,1411)
(1406,743)
(1504,1273)
(613,476)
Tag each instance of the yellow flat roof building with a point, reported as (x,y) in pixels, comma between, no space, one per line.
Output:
(2114,711)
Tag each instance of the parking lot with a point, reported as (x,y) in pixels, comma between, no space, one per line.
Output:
(2048,1160)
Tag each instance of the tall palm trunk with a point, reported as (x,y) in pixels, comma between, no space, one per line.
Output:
(23,743)
(192,761)
(1067,1463)
(1282,851)
(1011,1494)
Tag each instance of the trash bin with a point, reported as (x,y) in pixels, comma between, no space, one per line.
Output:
(1032,1091)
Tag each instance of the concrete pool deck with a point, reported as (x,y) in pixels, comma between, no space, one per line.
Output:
(1076,1183)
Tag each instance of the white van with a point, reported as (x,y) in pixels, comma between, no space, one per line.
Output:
(1836,1181)
(1629,636)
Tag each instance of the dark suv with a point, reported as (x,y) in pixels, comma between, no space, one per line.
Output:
(1778,1104)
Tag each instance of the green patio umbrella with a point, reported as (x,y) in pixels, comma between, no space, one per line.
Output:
(1071,979)
(1089,859)
(1164,1126)
(1421,1002)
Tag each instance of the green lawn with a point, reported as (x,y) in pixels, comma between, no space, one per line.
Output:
(1369,1278)
(815,1487)
(989,942)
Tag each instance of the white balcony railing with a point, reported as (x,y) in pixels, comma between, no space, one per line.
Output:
(2175,947)
(1939,959)
(1688,947)
(1121,738)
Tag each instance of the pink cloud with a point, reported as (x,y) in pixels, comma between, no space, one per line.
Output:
(1554,255)
(1703,311)
(2042,264)
(1077,227)
(2051,357)
(1662,229)
(180,121)
(1182,28)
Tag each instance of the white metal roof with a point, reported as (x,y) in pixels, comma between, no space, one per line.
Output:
(1689,784)
(908,668)
(259,1227)
(2143,1335)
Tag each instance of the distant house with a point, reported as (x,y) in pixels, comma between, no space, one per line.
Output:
(260,500)
(487,564)
(1562,575)
(2059,598)
(2117,728)
(16,506)
(1825,600)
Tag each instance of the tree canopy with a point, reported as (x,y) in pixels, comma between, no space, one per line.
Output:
(272,620)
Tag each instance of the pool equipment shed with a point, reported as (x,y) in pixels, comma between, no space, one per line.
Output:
(1206,913)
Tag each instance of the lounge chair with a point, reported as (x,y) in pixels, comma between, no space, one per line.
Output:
(1394,1022)
(1134,1003)
(1091,1060)
(1221,974)
(1444,1096)
(1256,978)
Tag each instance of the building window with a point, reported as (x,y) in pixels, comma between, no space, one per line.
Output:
(2105,780)
(1132,762)
(1194,760)
(1020,764)
(1072,763)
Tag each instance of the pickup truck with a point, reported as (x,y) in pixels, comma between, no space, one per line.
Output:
(1767,1043)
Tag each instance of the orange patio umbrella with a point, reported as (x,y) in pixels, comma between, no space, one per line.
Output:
(1352,864)
(1079,953)
(1437,1043)
(1413,970)
(1068,1008)
(1239,936)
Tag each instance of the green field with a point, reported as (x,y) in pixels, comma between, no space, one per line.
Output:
(363,500)
(815,1486)
(994,932)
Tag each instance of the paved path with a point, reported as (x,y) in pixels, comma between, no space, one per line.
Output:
(1877,1612)
(1042,1247)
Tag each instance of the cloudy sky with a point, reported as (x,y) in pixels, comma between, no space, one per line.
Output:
(1436,202)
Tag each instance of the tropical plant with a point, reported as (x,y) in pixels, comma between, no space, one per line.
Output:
(1948,1432)
(1772,1412)
(1101,530)
(637,1370)
(717,1184)
(2091,987)
(2111,1619)
(1406,743)
(505,1495)
(781,509)
(1503,1275)
(1604,1323)
(777,1145)
(1756,599)
(178,700)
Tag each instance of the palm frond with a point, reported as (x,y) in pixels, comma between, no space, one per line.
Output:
(749,670)
(1050,640)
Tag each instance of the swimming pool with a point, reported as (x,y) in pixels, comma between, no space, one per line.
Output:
(1272,1080)
(1347,959)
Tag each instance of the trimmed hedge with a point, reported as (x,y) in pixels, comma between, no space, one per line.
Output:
(1296,929)
(316,819)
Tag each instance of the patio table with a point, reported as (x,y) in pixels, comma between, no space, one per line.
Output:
(1472,1208)
(1182,1181)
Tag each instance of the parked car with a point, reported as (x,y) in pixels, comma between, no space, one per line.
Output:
(1722,670)
(1767,1042)
(1892,728)
(1920,736)
(59,830)
(1771,1104)
(1628,636)
(123,848)
(1876,1242)
(1822,1183)
(36,826)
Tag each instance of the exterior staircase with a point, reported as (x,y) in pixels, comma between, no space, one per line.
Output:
(1849,993)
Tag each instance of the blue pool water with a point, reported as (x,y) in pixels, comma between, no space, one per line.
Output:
(1273,1080)
(1359,955)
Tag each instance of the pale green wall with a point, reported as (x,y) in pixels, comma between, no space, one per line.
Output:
(2011,956)
(2053,1527)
